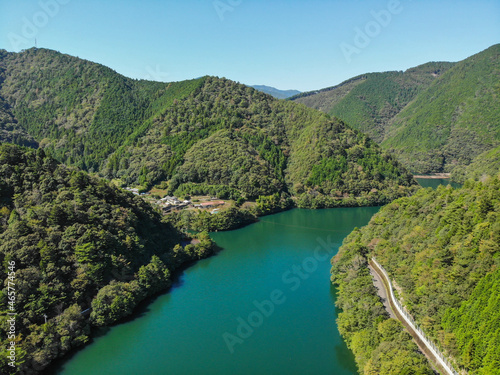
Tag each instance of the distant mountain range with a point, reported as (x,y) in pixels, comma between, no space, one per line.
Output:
(434,116)
(279,94)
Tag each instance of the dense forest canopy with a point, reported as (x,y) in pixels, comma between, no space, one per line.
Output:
(380,344)
(484,165)
(370,101)
(452,121)
(85,252)
(442,249)
(434,117)
(207,131)
(76,243)
(80,110)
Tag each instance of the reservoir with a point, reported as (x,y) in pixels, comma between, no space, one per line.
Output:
(435,182)
(263,305)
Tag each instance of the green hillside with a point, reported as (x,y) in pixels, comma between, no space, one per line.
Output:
(10,131)
(454,120)
(208,131)
(289,143)
(434,117)
(442,249)
(379,343)
(80,110)
(485,164)
(70,242)
(368,102)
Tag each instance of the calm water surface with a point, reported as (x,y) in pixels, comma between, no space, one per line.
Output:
(197,328)
(435,182)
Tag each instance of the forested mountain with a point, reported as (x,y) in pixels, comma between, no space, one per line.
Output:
(442,250)
(454,120)
(434,117)
(80,110)
(207,131)
(86,253)
(278,94)
(10,131)
(485,164)
(368,102)
(77,252)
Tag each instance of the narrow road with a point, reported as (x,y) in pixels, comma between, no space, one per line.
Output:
(379,285)
(422,343)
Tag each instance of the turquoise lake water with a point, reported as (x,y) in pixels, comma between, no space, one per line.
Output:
(264,305)
(435,182)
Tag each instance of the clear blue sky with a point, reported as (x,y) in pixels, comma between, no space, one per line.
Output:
(289,44)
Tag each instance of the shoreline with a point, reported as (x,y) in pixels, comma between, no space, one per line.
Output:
(433,176)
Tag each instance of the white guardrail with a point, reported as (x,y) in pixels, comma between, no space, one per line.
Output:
(407,317)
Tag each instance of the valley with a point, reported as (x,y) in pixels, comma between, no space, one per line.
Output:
(158,218)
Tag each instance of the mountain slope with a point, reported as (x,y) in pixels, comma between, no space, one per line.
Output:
(145,132)
(291,140)
(485,164)
(80,110)
(10,130)
(433,117)
(441,248)
(454,120)
(73,243)
(368,102)
(379,343)
(278,94)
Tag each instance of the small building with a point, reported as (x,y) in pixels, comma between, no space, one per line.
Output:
(171,200)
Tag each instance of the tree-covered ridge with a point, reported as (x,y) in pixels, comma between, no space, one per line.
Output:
(330,161)
(207,131)
(230,134)
(368,102)
(77,243)
(242,168)
(10,130)
(325,99)
(80,110)
(485,164)
(434,117)
(442,248)
(380,344)
(454,120)
(217,105)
